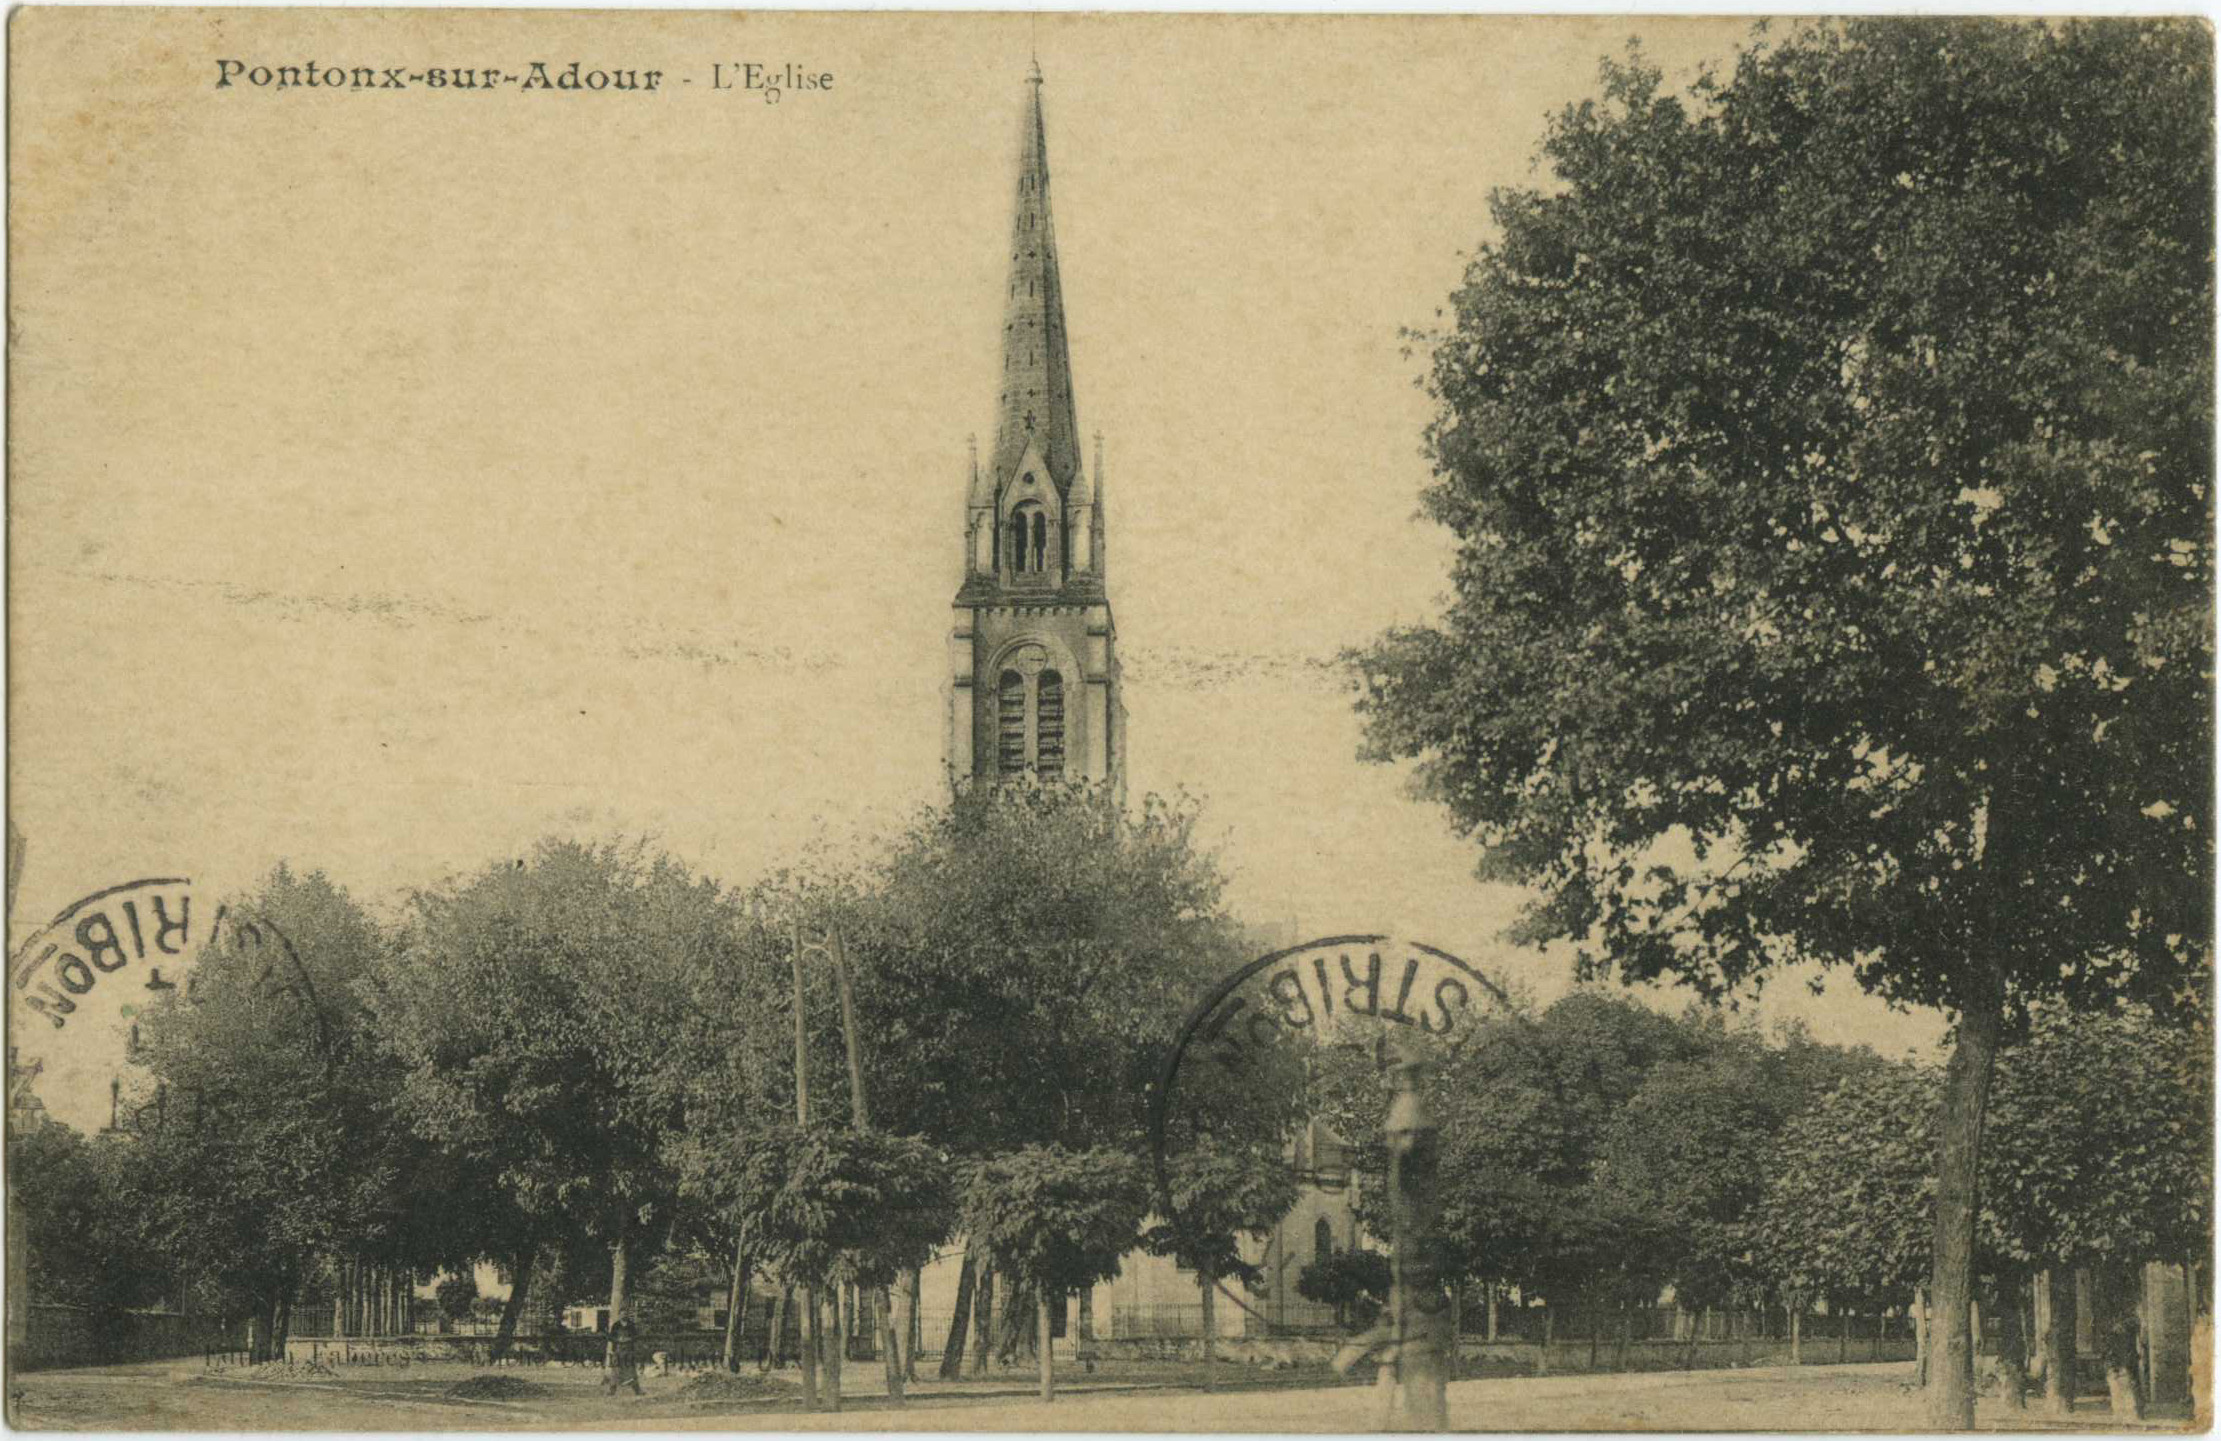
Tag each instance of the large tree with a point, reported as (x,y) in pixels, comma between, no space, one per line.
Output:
(2100,1157)
(265,1143)
(1025,957)
(1055,1221)
(529,1010)
(1830,457)
(1216,1195)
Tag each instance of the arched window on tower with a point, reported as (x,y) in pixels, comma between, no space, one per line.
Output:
(1010,724)
(1029,530)
(1322,1241)
(1049,724)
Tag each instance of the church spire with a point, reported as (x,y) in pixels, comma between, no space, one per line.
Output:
(1036,413)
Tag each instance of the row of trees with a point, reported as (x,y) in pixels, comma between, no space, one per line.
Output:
(1598,1154)
(580,1061)
(1829,454)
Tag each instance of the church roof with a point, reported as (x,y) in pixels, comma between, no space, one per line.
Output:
(1036,398)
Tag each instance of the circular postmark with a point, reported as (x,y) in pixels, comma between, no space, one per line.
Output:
(1267,1025)
(79,983)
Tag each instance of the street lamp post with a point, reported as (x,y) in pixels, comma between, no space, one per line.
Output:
(1422,1308)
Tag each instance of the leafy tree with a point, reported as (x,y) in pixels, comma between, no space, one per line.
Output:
(77,1206)
(1850,1191)
(1694,1141)
(1525,1105)
(1050,913)
(1690,1145)
(457,1296)
(830,1206)
(2100,1156)
(727,1067)
(274,1147)
(1218,1195)
(529,1010)
(1025,957)
(1055,1221)
(1357,1284)
(1830,457)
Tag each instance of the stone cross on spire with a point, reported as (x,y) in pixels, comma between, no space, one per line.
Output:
(1036,399)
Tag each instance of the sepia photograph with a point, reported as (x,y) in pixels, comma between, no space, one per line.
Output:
(1108,722)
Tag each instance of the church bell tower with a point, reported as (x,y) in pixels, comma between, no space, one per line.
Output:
(1033,654)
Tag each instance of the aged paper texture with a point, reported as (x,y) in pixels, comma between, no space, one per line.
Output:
(1455,738)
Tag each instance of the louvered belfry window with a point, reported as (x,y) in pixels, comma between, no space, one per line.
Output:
(1050,709)
(1010,741)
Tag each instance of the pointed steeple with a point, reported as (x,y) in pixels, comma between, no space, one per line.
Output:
(1036,412)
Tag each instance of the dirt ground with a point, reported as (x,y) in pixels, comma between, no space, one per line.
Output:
(180,1396)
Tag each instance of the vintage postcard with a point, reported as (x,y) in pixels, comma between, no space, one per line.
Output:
(1108,722)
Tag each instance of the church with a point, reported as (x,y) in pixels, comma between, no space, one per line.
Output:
(1033,654)
(1035,693)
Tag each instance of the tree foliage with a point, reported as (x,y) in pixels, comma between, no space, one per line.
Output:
(2101,1143)
(1219,1195)
(1850,1191)
(1830,457)
(1056,1220)
(530,1009)
(827,1204)
(275,1145)
(1028,954)
(77,1203)
(456,1296)
(1355,1283)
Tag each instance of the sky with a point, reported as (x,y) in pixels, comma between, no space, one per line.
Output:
(399,479)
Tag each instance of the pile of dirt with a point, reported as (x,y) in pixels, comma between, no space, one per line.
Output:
(496,1388)
(726,1386)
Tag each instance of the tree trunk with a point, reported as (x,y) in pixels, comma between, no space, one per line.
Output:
(1048,1369)
(520,1285)
(838,1351)
(1626,1335)
(1923,1335)
(983,1320)
(1015,1330)
(2114,1312)
(952,1350)
(736,1308)
(339,1298)
(1966,1097)
(808,1299)
(913,1328)
(905,1326)
(1492,1288)
(1549,1324)
(1596,1327)
(1797,1334)
(2012,1346)
(1881,1324)
(618,1262)
(281,1324)
(890,1349)
(1210,1333)
(775,1343)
